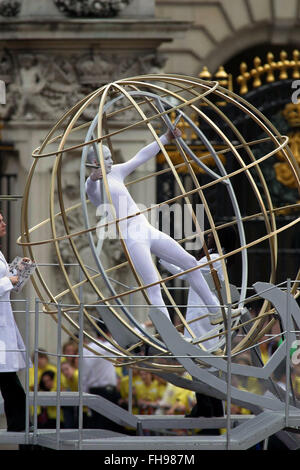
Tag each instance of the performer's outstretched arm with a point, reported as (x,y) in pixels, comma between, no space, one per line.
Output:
(146,153)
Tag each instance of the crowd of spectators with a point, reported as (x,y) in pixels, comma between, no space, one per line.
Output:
(150,394)
(136,390)
(47,382)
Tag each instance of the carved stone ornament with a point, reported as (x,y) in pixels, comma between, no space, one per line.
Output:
(10,8)
(91,8)
(41,86)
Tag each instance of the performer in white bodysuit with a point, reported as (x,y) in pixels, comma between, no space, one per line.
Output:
(140,237)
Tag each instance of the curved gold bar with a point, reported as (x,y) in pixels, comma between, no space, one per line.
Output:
(191,94)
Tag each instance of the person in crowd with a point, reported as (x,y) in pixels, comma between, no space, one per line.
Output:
(70,374)
(147,393)
(43,366)
(70,351)
(176,400)
(47,414)
(161,385)
(137,382)
(99,377)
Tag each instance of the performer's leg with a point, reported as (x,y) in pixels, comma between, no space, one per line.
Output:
(143,263)
(168,249)
(200,327)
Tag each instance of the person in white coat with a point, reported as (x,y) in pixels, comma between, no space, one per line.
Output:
(12,350)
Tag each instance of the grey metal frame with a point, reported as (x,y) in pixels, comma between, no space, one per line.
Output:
(271,414)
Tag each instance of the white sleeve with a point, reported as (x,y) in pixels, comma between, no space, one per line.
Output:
(5,285)
(172,268)
(93,191)
(141,157)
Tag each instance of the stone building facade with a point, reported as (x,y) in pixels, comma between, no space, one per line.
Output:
(53,55)
(223,29)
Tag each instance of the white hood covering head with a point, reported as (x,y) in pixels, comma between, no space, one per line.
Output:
(91,156)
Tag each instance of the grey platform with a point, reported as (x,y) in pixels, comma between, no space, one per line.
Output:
(276,412)
(245,432)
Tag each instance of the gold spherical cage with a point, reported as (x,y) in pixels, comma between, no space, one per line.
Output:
(189,95)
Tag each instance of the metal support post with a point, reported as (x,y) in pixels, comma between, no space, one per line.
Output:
(27,361)
(80,362)
(228,378)
(80,367)
(36,360)
(58,391)
(288,349)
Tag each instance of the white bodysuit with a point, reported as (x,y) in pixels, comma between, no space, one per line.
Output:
(142,239)
(195,305)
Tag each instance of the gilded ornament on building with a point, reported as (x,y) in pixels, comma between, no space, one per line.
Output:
(284,175)
(221,76)
(269,72)
(262,74)
(200,153)
(291,113)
